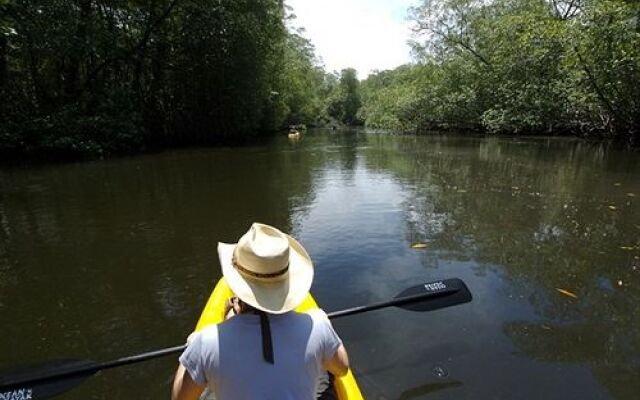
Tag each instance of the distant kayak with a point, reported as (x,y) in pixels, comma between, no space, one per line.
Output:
(293,135)
(346,387)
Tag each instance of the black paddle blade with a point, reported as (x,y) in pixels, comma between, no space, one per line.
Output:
(423,297)
(49,379)
(437,294)
(37,382)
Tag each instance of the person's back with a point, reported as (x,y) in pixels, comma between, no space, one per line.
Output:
(267,351)
(228,357)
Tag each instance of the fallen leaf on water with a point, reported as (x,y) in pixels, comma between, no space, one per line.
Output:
(548,328)
(462,191)
(617,184)
(626,247)
(631,194)
(419,246)
(613,208)
(567,293)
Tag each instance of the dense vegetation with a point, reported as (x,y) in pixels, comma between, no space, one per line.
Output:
(516,66)
(95,77)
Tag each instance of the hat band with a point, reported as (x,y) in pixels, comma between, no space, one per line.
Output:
(258,274)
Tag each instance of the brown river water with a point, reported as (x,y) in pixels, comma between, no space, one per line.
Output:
(104,259)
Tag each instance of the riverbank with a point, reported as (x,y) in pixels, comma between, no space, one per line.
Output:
(91,151)
(89,147)
(577,130)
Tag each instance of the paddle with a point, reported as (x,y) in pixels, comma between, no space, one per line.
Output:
(52,378)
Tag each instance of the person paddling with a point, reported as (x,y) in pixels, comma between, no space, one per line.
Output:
(267,351)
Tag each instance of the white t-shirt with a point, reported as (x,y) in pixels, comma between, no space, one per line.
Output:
(228,357)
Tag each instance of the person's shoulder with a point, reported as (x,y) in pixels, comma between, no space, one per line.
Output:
(322,330)
(208,333)
(318,315)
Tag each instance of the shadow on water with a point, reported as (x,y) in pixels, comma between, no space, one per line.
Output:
(420,391)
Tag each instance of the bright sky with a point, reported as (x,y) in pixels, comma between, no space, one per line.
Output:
(361,34)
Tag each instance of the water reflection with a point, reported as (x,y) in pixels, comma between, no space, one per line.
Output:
(106,259)
(543,216)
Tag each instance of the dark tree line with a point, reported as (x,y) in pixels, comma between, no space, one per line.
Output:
(97,77)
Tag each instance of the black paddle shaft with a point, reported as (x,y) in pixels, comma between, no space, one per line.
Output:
(52,378)
(444,293)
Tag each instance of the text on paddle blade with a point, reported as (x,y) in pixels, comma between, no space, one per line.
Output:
(435,286)
(18,394)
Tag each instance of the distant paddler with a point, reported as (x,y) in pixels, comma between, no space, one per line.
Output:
(293,133)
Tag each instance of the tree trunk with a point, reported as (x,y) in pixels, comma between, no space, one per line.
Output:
(72,75)
(4,68)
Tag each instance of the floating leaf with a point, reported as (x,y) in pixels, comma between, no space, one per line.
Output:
(631,194)
(546,327)
(617,184)
(626,247)
(462,191)
(567,293)
(419,246)
(613,208)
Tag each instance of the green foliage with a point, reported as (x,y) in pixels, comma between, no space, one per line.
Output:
(605,61)
(100,78)
(67,134)
(389,98)
(96,78)
(516,66)
(343,100)
(303,81)
(527,49)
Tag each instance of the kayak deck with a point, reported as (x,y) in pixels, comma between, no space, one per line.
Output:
(346,386)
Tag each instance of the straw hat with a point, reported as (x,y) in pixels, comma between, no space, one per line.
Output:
(267,269)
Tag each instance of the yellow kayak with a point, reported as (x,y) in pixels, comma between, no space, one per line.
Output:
(346,387)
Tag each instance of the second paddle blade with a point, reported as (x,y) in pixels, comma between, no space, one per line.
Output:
(443,293)
(44,380)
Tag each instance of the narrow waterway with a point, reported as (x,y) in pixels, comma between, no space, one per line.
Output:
(105,259)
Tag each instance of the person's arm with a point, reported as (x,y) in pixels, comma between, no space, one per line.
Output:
(184,388)
(190,381)
(338,365)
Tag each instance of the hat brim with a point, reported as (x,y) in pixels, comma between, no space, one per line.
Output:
(273,297)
